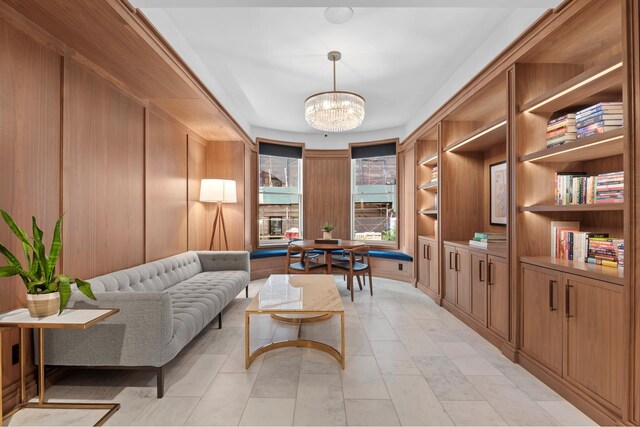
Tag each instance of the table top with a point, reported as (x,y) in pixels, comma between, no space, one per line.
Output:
(341,244)
(69,319)
(304,293)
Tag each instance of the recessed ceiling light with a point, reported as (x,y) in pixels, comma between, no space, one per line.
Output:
(338,15)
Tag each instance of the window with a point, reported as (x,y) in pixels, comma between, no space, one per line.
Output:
(373,193)
(279,194)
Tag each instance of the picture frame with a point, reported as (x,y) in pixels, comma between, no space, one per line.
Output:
(498,193)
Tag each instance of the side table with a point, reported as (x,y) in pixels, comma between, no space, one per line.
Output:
(69,319)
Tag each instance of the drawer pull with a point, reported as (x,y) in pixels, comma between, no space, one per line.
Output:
(480,264)
(552,293)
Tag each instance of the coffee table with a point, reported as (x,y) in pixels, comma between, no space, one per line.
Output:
(297,299)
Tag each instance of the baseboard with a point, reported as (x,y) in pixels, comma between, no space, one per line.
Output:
(580,400)
(429,292)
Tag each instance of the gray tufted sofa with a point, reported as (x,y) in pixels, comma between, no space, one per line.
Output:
(163,305)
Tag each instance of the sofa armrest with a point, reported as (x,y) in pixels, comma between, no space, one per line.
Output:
(135,336)
(224,260)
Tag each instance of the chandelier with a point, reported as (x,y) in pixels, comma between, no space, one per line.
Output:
(335,111)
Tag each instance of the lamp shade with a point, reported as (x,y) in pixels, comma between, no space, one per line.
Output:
(218,190)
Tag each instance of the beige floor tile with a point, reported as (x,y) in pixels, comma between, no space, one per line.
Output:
(457,349)
(361,379)
(378,329)
(566,414)
(268,412)
(54,417)
(418,343)
(318,362)
(168,411)
(393,358)
(478,413)
(224,402)
(446,380)
(278,376)
(357,343)
(235,361)
(319,400)
(415,402)
(193,376)
(475,365)
(370,413)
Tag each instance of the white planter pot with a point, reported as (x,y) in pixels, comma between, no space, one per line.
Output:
(326,235)
(43,305)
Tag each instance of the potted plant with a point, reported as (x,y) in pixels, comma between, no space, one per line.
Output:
(47,292)
(327,228)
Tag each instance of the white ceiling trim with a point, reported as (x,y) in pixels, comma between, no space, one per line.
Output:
(521,4)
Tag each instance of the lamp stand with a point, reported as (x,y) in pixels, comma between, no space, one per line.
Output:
(219,218)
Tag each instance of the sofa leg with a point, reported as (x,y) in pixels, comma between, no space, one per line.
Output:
(246,291)
(160,382)
(220,320)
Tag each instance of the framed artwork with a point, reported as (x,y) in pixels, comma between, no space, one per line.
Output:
(498,196)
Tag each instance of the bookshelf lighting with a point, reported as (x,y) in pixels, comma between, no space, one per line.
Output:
(581,147)
(481,134)
(574,87)
(428,159)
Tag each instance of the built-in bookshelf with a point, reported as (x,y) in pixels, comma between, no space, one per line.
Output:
(427,180)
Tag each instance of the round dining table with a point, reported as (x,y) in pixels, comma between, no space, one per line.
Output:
(327,247)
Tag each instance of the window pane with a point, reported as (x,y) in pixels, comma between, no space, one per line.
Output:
(374,198)
(279,199)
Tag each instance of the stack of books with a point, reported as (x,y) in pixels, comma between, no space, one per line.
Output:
(609,188)
(599,118)
(561,129)
(485,240)
(434,174)
(602,251)
(576,188)
(567,242)
(621,255)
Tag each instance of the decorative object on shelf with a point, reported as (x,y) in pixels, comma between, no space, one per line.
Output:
(327,228)
(334,111)
(218,191)
(498,197)
(47,292)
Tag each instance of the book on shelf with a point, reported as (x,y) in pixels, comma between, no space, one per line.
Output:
(599,118)
(561,129)
(576,188)
(434,174)
(602,251)
(556,228)
(620,252)
(486,240)
(569,243)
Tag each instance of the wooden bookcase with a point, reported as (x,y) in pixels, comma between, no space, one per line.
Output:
(573,325)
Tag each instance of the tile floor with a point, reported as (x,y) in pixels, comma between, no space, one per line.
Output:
(409,362)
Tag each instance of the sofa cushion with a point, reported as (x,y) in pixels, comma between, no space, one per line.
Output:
(197,301)
(151,277)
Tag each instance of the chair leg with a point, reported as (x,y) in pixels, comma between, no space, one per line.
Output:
(220,320)
(246,291)
(370,283)
(160,382)
(351,279)
(359,282)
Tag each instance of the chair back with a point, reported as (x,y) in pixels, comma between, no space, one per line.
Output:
(360,251)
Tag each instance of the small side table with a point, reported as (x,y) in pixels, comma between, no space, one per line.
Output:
(69,319)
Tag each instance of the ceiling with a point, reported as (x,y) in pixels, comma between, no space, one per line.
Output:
(262,59)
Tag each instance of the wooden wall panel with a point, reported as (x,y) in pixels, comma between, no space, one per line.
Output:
(225,160)
(30,173)
(103,177)
(166,189)
(326,196)
(197,170)
(250,196)
(407,169)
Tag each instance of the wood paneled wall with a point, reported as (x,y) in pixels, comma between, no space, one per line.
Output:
(126,174)
(407,199)
(226,160)
(327,192)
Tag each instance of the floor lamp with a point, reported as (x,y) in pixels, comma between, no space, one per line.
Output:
(218,191)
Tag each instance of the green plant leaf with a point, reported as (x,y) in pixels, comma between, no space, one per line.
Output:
(19,232)
(14,262)
(9,271)
(85,288)
(65,292)
(39,254)
(33,287)
(56,246)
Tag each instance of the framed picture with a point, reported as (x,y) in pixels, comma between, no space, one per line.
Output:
(498,196)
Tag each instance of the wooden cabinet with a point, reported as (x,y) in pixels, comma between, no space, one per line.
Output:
(573,326)
(542,316)
(498,298)
(450,275)
(594,338)
(479,287)
(428,263)
(463,270)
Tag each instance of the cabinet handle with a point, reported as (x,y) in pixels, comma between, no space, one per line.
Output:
(450,262)
(567,300)
(457,261)
(424,251)
(480,264)
(490,274)
(428,252)
(552,293)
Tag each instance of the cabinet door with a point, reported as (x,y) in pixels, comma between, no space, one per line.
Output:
(463,267)
(433,257)
(423,262)
(542,316)
(594,338)
(479,287)
(450,276)
(498,288)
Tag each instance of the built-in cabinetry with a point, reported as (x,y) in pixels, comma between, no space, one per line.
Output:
(428,263)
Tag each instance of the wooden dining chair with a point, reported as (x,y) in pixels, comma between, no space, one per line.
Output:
(298,261)
(358,264)
(310,255)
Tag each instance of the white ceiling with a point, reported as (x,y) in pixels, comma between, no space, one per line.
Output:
(262,59)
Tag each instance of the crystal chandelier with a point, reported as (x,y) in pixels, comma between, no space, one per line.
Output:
(335,111)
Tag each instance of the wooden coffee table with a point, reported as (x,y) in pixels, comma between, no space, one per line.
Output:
(297,299)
